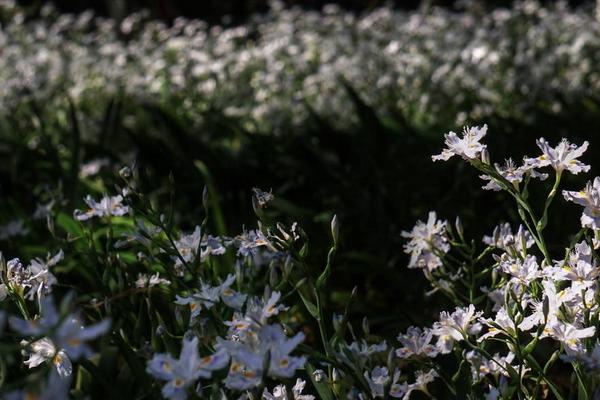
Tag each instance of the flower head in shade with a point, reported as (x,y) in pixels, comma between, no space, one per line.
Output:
(208,296)
(183,372)
(269,348)
(63,339)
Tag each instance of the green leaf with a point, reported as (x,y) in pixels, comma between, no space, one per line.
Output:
(462,379)
(308,303)
(68,224)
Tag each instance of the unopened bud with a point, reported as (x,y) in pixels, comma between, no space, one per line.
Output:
(160,330)
(459,227)
(546,307)
(319,375)
(335,375)
(337,322)
(485,157)
(335,229)
(125,172)
(365,326)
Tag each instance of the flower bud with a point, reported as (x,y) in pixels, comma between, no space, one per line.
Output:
(485,157)
(337,321)
(365,326)
(125,172)
(335,229)
(319,375)
(459,227)
(335,375)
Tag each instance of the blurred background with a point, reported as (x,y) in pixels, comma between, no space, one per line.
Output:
(335,107)
(236,11)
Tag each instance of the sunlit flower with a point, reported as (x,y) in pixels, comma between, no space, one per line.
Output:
(467,147)
(280,392)
(415,343)
(569,335)
(149,281)
(562,157)
(480,366)
(521,271)
(503,238)
(427,242)
(455,327)
(589,198)
(579,267)
(108,206)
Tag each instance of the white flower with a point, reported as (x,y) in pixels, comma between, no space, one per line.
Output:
(44,349)
(426,239)
(41,280)
(63,339)
(589,198)
(579,267)
(108,206)
(564,156)
(364,350)
(248,358)
(280,392)
(481,366)
(511,173)
(377,380)
(415,343)
(503,238)
(468,147)
(569,335)
(454,327)
(522,271)
(423,379)
(250,242)
(183,372)
(188,246)
(501,324)
(33,281)
(148,281)
(258,311)
(554,299)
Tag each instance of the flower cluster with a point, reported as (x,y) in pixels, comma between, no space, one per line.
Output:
(531,296)
(435,67)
